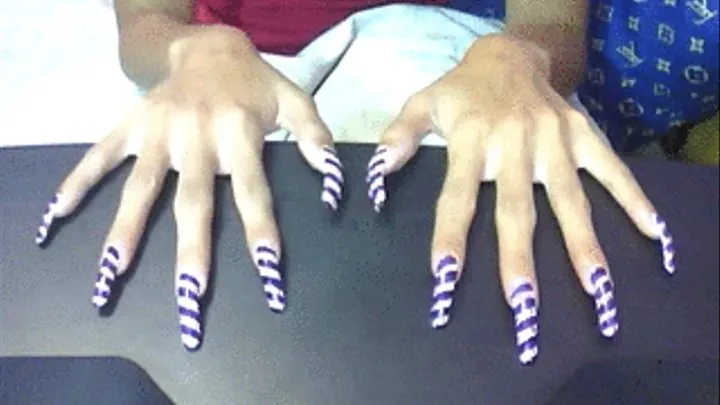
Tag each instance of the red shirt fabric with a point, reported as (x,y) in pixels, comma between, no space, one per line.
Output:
(284,26)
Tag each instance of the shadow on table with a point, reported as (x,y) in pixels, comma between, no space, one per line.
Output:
(117,381)
(76,381)
(642,382)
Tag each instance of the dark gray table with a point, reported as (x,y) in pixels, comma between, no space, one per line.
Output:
(355,330)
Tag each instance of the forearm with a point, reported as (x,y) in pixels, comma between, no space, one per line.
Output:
(148,37)
(145,40)
(559,27)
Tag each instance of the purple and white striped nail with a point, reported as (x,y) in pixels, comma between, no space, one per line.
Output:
(604,294)
(106,276)
(47,220)
(446,277)
(188,302)
(332,179)
(268,265)
(666,241)
(523,302)
(376,178)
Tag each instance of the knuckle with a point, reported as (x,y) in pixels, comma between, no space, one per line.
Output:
(576,119)
(302,104)
(142,183)
(569,194)
(546,118)
(456,201)
(472,124)
(515,210)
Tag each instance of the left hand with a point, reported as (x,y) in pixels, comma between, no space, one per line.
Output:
(504,122)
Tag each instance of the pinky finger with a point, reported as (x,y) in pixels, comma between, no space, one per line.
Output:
(605,166)
(97,162)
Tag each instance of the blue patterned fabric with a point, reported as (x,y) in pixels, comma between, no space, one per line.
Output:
(652,64)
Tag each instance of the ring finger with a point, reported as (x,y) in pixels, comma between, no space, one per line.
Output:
(573,212)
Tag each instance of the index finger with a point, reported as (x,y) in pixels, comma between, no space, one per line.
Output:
(454,214)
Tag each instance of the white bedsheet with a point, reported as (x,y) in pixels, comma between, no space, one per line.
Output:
(60,81)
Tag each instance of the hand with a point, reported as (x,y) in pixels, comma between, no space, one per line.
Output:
(503,122)
(208,117)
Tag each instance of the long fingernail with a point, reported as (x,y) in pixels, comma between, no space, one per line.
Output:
(376,179)
(446,278)
(332,179)
(666,241)
(47,220)
(188,301)
(106,276)
(604,294)
(524,306)
(268,264)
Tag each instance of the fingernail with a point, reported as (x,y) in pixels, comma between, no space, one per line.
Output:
(604,294)
(524,306)
(47,220)
(446,278)
(376,179)
(332,179)
(268,264)
(666,241)
(188,301)
(106,277)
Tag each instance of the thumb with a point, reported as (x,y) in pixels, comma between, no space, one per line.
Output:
(398,144)
(299,115)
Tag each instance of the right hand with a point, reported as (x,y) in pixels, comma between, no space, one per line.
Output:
(209,117)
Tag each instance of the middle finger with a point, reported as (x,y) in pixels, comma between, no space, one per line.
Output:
(515,219)
(193,210)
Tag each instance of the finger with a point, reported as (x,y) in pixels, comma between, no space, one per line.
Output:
(515,219)
(397,146)
(139,194)
(453,216)
(100,159)
(572,210)
(254,203)
(299,115)
(193,209)
(603,164)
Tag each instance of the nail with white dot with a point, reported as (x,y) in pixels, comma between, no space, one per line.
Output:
(523,302)
(188,302)
(605,307)
(376,171)
(47,221)
(333,180)
(667,243)
(267,261)
(106,276)
(446,278)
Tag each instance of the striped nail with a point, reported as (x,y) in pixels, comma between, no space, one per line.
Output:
(47,220)
(376,179)
(332,179)
(106,277)
(188,301)
(446,278)
(524,306)
(268,264)
(604,302)
(666,241)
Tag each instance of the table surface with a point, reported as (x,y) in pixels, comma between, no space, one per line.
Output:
(355,330)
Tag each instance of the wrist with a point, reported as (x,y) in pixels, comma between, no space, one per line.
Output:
(209,45)
(508,49)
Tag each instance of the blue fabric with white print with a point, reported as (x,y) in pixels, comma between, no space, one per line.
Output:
(652,64)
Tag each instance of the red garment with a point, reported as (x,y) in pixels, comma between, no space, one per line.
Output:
(284,26)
